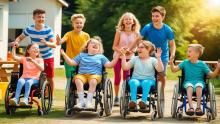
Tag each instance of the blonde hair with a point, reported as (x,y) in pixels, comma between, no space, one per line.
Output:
(135,27)
(159,9)
(198,48)
(148,45)
(95,38)
(75,16)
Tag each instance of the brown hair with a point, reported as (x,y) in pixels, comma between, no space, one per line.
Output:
(38,11)
(159,9)
(198,48)
(26,54)
(96,38)
(148,45)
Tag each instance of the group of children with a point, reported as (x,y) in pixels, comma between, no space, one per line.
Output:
(87,54)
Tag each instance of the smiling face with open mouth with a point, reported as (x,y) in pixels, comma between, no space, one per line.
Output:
(128,21)
(34,50)
(94,46)
(78,24)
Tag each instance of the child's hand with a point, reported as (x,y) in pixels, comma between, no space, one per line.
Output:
(14,44)
(58,39)
(42,40)
(123,51)
(62,51)
(29,59)
(158,53)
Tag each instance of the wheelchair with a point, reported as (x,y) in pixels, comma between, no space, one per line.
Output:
(155,98)
(179,99)
(42,91)
(103,96)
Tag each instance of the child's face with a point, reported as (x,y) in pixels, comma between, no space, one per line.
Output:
(142,50)
(34,50)
(157,18)
(128,21)
(78,24)
(192,54)
(94,47)
(39,18)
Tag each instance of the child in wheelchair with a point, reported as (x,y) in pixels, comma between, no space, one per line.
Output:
(194,71)
(143,72)
(90,62)
(32,67)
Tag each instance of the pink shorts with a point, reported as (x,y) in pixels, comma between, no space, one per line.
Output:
(49,67)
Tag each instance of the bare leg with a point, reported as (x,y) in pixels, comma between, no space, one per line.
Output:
(92,85)
(198,95)
(116,89)
(189,95)
(79,85)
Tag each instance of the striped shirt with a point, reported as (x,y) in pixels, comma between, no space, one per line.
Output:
(35,35)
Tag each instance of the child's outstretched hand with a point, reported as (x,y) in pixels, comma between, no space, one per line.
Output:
(158,53)
(62,51)
(58,39)
(42,40)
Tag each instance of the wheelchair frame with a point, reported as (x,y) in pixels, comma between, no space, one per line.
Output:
(41,91)
(208,96)
(105,88)
(156,99)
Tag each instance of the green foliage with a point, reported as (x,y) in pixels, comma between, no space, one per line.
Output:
(190,20)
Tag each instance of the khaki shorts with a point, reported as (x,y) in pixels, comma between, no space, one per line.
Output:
(85,78)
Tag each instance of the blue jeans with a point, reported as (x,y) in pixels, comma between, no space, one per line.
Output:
(146,85)
(28,82)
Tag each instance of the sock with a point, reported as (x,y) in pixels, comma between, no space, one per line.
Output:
(89,97)
(81,97)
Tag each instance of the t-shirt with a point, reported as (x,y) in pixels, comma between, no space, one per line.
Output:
(35,35)
(75,42)
(159,37)
(194,71)
(143,69)
(90,64)
(30,70)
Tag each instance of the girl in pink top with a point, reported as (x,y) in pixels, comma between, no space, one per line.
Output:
(32,67)
(127,33)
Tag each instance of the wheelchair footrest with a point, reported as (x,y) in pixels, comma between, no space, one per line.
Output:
(84,109)
(18,106)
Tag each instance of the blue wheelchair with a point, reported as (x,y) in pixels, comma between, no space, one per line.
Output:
(179,99)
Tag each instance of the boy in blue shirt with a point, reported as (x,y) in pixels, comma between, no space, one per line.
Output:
(160,34)
(194,70)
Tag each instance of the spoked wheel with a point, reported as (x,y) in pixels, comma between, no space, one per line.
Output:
(108,97)
(70,100)
(174,101)
(9,110)
(160,99)
(123,101)
(67,92)
(46,97)
(212,100)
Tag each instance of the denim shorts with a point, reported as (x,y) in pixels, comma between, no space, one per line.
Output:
(194,84)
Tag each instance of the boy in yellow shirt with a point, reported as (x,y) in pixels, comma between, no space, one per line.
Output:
(75,41)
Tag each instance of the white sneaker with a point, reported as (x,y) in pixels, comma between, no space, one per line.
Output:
(24,102)
(13,102)
(89,105)
(80,105)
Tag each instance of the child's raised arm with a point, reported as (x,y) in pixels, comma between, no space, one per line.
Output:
(67,59)
(59,41)
(216,71)
(113,62)
(15,57)
(172,66)
(159,66)
(125,65)
(116,41)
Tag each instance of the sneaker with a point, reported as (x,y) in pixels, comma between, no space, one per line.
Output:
(89,105)
(116,101)
(13,102)
(24,102)
(142,105)
(79,105)
(132,105)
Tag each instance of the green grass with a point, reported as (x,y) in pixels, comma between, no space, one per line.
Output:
(26,115)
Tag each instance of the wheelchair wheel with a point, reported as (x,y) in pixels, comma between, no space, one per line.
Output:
(46,97)
(160,99)
(212,100)
(67,92)
(70,99)
(108,97)
(9,110)
(174,101)
(123,101)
